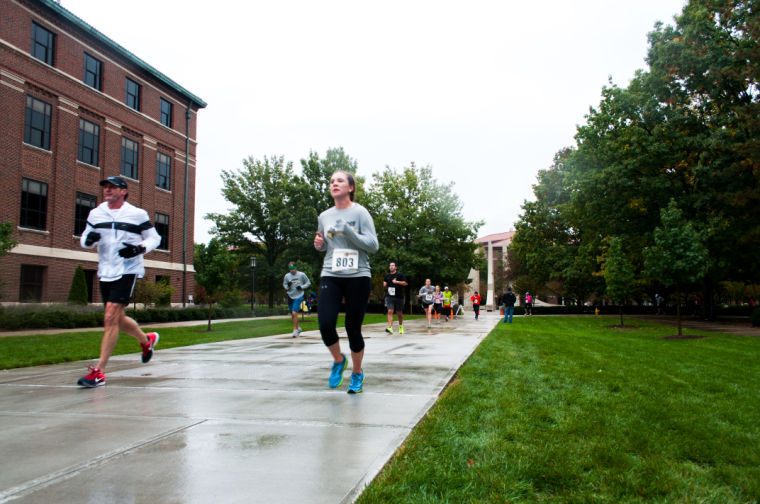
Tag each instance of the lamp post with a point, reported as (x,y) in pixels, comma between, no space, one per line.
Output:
(253,274)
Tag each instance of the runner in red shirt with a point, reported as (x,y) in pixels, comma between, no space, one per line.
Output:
(476,299)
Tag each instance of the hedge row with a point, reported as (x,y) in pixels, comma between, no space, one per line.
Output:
(68,317)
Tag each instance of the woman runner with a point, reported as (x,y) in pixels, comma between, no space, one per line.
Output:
(347,233)
(426,298)
(437,303)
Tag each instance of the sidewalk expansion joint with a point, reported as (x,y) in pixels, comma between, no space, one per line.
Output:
(71,471)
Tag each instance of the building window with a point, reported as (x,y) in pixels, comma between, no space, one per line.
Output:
(132,94)
(37,125)
(163,171)
(166,113)
(43,44)
(128,158)
(89,136)
(33,204)
(162,228)
(93,72)
(30,290)
(84,203)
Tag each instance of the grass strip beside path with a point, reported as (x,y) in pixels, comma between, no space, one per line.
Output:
(565,409)
(21,351)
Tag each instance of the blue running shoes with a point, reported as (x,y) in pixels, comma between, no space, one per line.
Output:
(357,382)
(336,375)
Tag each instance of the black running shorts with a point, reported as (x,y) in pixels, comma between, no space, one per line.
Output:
(119,291)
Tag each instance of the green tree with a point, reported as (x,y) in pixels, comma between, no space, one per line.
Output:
(6,242)
(146,293)
(214,271)
(688,128)
(551,245)
(678,259)
(734,290)
(268,216)
(78,290)
(618,274)
(6,238)
(420,226)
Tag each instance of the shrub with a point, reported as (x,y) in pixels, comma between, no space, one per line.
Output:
(233,298)
(165,292)
(78,289)
(755,318)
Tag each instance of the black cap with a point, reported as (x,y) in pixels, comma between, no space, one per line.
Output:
(117,181)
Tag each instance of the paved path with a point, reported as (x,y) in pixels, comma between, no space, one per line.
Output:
(238,421)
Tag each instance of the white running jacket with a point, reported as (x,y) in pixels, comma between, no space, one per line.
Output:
(127,224)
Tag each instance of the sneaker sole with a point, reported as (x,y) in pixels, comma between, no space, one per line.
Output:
(85,384)
(351,391)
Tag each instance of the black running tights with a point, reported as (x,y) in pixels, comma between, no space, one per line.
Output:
(356,293)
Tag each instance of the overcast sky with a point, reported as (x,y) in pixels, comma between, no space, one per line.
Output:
(485,92)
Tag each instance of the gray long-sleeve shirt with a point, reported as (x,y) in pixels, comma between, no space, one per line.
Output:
(292,282)
(349,229)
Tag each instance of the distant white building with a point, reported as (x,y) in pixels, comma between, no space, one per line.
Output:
(494,247)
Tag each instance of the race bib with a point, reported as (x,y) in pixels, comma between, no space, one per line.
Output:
(428,297)
(391,291)
(345,260)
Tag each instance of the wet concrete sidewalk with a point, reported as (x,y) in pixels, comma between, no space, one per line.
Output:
(237,421)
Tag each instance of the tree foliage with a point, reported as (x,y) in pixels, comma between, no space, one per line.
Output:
(274,216)
(271,210)
(214,268)
(678,258)
(6,238)
(150,293)
(618,274)
(420,227)
(6,243)
(686,129)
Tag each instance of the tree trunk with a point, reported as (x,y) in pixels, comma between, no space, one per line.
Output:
(621,315)
(270,284)
(678,312)
(210,307)
(709,302)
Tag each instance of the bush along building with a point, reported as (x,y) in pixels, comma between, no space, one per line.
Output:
(76,108)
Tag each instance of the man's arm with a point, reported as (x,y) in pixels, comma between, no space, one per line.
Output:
(304,282)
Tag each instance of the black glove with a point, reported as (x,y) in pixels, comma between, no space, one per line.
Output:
(289,284)
(131,250)
(92,237)
(299,287)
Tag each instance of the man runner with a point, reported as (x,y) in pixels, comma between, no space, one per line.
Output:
(123,234)
(476,300)
(295,283)
(394,283)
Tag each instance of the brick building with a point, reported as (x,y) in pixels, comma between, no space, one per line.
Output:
(75,108)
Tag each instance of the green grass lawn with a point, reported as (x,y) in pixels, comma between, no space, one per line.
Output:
(20,351)
(565,409)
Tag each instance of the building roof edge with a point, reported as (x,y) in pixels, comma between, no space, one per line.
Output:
(71,17)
